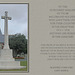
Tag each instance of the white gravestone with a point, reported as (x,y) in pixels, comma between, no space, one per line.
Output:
(6,58)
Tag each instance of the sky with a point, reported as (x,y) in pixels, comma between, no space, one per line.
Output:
(19,21)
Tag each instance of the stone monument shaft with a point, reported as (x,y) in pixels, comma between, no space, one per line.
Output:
(6,18)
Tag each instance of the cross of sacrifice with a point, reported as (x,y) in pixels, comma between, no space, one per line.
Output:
(6,18)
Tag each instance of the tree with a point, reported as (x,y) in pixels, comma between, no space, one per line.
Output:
(18,42)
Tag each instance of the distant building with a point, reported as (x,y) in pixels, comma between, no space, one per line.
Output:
(1,40)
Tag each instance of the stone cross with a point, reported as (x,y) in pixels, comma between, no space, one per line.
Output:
(6,18)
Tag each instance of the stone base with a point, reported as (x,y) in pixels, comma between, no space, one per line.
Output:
(11,67)
(6,55)
(7,61)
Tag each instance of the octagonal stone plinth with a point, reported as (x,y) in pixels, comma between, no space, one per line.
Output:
(7,61)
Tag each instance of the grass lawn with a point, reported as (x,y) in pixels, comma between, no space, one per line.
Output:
(22,63)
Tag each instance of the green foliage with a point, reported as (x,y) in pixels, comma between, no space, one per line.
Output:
(18,42)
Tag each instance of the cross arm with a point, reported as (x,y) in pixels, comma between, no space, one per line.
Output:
(9,18)
(2,17)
